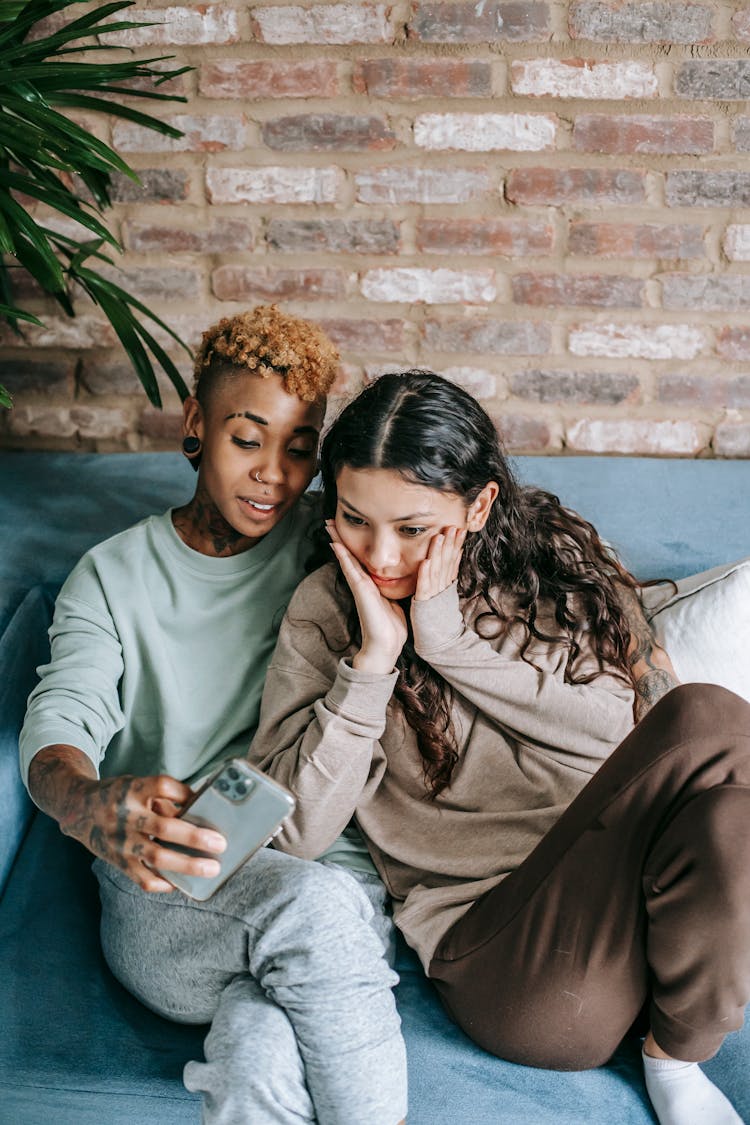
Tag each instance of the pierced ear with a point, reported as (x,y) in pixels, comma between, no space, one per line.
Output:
(192,418)
(478,512)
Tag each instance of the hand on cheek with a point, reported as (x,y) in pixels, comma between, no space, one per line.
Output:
(439,569)
(383,623)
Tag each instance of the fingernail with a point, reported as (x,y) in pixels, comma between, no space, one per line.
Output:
(216,843)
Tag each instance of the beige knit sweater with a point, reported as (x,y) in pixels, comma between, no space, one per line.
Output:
(528,742)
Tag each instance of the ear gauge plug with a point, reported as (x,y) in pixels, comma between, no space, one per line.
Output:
(191,447)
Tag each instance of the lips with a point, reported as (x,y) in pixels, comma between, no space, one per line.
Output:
(380,581)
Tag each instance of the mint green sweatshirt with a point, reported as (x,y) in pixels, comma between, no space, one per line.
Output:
(159,653)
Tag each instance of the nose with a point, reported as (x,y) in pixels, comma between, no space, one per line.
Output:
(269,466)
(382,552)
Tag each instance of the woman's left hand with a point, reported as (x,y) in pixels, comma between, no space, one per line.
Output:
(439,569)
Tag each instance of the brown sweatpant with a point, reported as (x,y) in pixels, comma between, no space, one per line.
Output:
(639,895)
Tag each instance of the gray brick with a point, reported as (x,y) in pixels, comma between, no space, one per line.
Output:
(708,189)
(574,386)
(728,79)
(641,23)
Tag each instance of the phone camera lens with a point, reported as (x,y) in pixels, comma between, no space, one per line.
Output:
(240,789)
(222,784)
(233,773)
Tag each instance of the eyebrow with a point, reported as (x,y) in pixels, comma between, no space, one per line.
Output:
(399,519)
(264,422)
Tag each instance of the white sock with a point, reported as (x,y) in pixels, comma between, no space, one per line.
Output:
(681,1094)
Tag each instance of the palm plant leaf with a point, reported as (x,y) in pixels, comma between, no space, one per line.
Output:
(44,156)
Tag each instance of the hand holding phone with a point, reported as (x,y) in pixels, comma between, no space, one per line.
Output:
(246,807)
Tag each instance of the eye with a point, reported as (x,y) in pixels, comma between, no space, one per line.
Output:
(355,521)
(412,532)
(245,444)
(301,453)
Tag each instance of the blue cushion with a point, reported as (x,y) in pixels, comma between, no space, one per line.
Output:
(665,517)
(79,1045)
(23,646)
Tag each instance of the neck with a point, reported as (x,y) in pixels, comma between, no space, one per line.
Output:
(201,526)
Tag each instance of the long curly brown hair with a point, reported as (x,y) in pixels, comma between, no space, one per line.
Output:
(270,342)
(435,434)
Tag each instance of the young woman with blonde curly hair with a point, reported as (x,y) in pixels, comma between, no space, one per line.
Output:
(160,643)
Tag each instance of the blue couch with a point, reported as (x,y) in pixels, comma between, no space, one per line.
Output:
(75,1048)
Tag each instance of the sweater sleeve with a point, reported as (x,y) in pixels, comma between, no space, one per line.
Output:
(320,725)
(76,701)
(570,721)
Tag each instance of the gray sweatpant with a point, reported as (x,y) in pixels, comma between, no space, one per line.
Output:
(286,963)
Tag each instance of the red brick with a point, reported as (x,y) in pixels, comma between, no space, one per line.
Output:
(637,240)
(510,238)
(209,133)
(638,436)
(157,185)
(220,236)
(240,283)
(522,433)
(619,22)
(643,133)
(732,439)
(713,391)
(162,426)
(422,185)
(324,23)
(559,290)
(423,78)
(490,336)
(326,132)
(366,335)
(251,80)
(204,24)
(583,78)
(337,236)
(489,22)
(606,387)
(733,343)
(274,185)
(555,186)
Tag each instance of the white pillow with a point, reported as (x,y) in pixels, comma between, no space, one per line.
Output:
(705,626)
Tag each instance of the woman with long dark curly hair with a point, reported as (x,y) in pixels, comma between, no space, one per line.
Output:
(461,678)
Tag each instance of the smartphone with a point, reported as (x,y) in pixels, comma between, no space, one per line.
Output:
(248,809)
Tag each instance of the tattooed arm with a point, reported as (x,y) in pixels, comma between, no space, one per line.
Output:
(649,663)
(126,821)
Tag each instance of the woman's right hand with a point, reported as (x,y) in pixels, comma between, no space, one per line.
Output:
(129,822)
(382,622)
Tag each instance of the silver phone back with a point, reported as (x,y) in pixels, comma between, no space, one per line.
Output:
(247,824)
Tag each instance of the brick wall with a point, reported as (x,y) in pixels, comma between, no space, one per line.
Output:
(548,202)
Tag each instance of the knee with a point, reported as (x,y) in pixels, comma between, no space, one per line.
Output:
(707,712)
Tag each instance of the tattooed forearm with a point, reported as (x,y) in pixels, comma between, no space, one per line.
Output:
(650,666)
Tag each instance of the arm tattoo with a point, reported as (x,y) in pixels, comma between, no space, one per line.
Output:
(651,681)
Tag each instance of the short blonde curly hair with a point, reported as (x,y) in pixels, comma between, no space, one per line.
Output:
(272,343)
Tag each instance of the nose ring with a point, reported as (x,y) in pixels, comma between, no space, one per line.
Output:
(257,477)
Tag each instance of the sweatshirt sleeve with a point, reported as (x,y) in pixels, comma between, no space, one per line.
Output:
(76,701)
(320,725)
(570,721)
